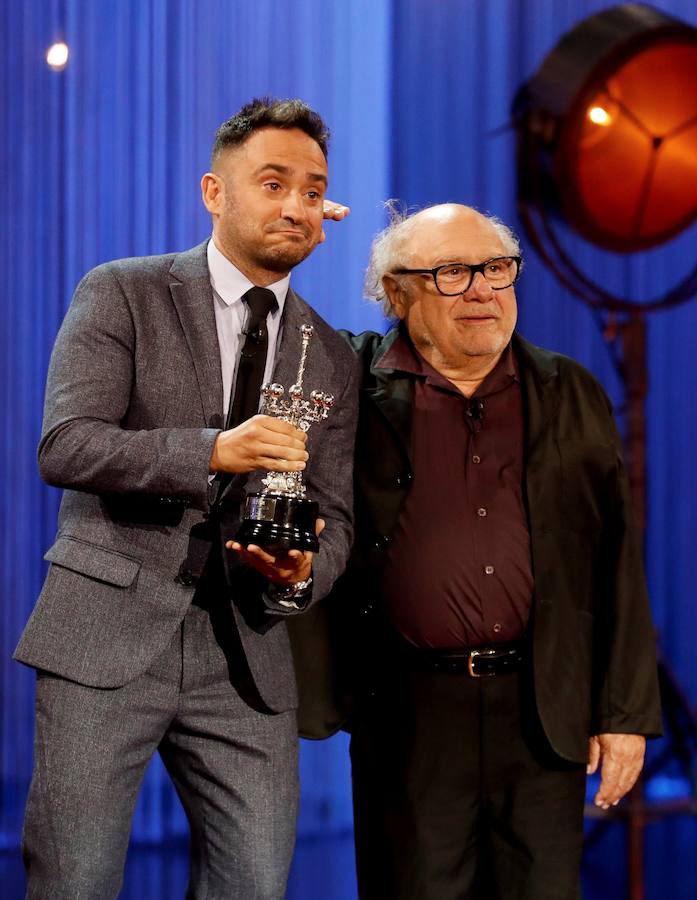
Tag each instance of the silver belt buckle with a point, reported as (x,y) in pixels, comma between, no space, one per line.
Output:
(470,663)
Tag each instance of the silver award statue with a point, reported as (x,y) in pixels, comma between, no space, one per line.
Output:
(279,517)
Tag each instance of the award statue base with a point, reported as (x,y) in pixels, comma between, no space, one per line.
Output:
(277,522)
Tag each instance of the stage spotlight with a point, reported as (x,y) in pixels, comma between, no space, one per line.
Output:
(607,143)
(609,128)
(57,56)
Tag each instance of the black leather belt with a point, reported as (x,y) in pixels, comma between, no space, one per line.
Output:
(480,662)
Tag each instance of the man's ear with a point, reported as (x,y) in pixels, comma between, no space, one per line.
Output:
(213,193)
(395,295)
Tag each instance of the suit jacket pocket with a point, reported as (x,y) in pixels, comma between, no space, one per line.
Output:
(93,561)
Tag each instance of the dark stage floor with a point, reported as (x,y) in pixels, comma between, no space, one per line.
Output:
(323,867)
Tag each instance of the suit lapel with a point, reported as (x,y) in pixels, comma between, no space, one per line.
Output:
(540,383)
(192,294)
(540,389)
(394,399)
(393,395)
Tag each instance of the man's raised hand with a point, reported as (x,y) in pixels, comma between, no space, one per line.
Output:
(261,442)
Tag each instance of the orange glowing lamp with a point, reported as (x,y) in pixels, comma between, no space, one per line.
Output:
(611,119)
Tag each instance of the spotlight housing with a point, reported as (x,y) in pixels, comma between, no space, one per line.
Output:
(608,128)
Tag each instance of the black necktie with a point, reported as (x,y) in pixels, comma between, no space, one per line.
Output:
(250,371)
(244,404)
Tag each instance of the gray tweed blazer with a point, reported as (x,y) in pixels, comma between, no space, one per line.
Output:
(133,405)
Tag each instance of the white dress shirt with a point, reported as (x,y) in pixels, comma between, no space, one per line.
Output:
(229,285)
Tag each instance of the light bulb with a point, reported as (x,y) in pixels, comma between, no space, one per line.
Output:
(57,55)
(599,116)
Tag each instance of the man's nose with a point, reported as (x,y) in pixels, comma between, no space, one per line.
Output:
(293,207)
(480,289)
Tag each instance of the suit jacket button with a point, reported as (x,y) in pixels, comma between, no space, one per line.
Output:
(185,577)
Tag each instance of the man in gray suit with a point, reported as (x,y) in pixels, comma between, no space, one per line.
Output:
(148,634)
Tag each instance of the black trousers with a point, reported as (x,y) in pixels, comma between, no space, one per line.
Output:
(457,795)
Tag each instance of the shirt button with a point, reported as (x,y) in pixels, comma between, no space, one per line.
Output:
(476,459)
(489,570)
(481,512)
(497,627)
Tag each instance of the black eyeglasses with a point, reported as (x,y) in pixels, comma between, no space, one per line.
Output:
(455,277)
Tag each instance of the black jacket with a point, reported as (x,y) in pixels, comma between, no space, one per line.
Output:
(592,639)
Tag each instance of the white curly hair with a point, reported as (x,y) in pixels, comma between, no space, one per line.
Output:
(386,247)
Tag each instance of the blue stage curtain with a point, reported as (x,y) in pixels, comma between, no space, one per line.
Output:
(103,160)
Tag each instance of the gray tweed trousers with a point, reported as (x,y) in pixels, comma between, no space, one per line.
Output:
(233,764)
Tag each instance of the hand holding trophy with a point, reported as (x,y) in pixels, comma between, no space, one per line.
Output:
(279,517)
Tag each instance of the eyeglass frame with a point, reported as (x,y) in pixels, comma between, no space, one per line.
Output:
(479,267)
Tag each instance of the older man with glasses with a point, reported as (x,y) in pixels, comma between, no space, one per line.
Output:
(494,610)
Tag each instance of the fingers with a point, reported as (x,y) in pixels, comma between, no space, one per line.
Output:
(281,568)
(252,552)
(289,560)
(622,759)
(281,446)
(335,211)
(275,464)
(281,459)
(261,442)
(616,781)
(593,756)
(269,423)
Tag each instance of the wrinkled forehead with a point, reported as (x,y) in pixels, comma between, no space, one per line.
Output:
(446,235)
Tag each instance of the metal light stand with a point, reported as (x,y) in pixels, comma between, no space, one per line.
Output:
(624,327)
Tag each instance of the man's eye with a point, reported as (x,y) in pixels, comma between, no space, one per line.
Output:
(454,271)
(314,195)
(273,185)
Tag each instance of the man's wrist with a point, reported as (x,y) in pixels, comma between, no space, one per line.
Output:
(214,464)
(289,593)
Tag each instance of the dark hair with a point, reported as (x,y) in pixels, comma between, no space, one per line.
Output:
(266,112)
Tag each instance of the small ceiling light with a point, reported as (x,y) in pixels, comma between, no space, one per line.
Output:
(57,56)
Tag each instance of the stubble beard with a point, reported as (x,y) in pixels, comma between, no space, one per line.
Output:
(280,259)
(492,347)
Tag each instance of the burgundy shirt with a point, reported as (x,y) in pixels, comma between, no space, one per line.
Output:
(458,570)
